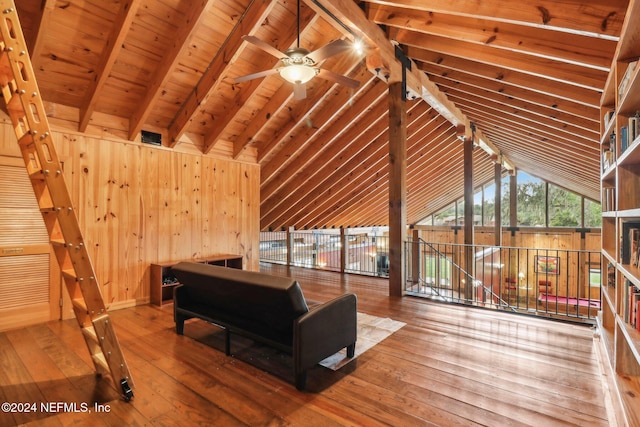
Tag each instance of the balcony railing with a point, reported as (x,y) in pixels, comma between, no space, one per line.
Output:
(360,253)
(550,282)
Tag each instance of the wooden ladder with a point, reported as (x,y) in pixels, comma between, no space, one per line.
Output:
(25,107)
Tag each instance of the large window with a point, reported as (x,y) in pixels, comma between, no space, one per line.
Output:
(564,208)
(539,204)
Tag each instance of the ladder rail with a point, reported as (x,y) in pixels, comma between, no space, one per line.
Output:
(28,116)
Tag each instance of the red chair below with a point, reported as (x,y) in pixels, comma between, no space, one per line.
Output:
(545,287)
(511,283)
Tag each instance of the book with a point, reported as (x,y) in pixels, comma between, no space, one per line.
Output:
(634,242)
(624,138)
(638,314)
(626,238)
(634,128)
(634,300)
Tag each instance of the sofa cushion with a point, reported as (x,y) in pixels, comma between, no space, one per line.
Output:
(257,302)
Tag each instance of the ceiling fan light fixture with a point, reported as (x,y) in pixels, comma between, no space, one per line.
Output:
(298,73)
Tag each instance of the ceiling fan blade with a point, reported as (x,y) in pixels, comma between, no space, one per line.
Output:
(338,78)
(330,49)
(299,91)
(264,73)
(264,46)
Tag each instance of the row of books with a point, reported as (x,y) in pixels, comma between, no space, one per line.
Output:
(630,244)
(632,309)
(629,133)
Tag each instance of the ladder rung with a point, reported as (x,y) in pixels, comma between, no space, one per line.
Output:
(47,209)
(58,243)
(25,140)
(100,362)
(14,104)
(80,305)
(37,175)
(69,274)
(90,334)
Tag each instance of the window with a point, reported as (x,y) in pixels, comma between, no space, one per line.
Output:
(564,208)
(592,214)
(489,205)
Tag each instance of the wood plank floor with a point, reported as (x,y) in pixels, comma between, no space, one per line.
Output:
(448,366)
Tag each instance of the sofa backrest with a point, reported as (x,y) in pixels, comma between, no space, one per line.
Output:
(271,301)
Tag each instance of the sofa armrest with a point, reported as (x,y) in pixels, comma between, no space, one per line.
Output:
(324,331)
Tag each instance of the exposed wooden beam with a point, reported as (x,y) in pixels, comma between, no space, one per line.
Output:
(119,31)
(246,90)
(572,112)
(541,42)
(604,17)
(347,15)
(252,18)
(588,98)
(569,73)
(192,18)
(37,43)
(308,139)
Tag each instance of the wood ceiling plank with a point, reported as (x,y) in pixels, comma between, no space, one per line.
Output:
(598,17)
(584,96)
(571,74)
(247,89)
(534,113)
(369,190)
(274,106)
(119,30)
(247,24)
(191,20)
(297,134)
(521,121)
(317,177)
(307,146)
(346,176)
(543,42)
(577,114)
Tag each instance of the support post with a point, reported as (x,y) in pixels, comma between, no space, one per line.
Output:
(498,204)
(468,217)
(397,188)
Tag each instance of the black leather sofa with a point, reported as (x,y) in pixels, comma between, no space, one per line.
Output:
(268,309)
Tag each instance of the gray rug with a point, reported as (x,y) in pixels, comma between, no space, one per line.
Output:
(371,331)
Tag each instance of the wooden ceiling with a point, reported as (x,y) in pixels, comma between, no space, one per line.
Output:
(527,75)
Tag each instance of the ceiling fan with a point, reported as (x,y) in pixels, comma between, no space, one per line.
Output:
(299,65)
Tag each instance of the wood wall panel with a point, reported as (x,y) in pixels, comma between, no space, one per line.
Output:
(139,204)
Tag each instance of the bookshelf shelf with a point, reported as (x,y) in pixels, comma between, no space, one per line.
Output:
(620,180)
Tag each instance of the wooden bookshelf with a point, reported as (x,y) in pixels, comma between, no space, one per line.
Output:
(162,282)
(620,179)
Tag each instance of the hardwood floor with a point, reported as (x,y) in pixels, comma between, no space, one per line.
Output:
(448,366)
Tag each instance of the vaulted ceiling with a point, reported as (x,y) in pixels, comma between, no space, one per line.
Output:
(527,75)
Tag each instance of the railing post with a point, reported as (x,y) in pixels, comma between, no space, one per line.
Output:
(289,246)
(343,250)
(415,256)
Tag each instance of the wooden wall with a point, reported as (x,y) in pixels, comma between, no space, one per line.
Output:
(139,204)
